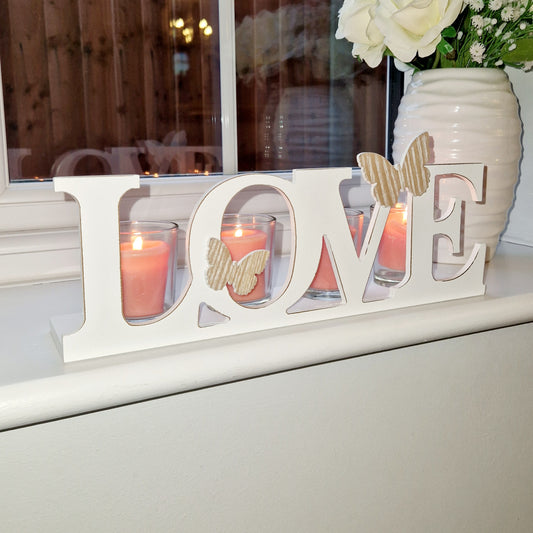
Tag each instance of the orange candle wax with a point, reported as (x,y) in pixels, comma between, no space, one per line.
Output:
(393,244)
(144,270)
(324,279)
(241,242)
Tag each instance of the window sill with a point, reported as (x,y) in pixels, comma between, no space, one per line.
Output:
(36,386)
(39,237)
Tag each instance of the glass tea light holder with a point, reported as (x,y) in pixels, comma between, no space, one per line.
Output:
(148,256)
(390,265)
(324,285)
(243,234)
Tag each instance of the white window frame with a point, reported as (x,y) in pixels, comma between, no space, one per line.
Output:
(35,196)
(39,238)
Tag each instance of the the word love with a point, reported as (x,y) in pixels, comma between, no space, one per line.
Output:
(105,331)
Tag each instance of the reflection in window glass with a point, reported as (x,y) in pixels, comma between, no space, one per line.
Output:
(302,99)
(110,86)
(133,86)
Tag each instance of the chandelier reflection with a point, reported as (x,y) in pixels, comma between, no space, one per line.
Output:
(186,29)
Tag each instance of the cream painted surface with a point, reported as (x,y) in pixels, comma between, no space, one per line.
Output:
(432,438)
(35,385)
(104,331)
(520,225)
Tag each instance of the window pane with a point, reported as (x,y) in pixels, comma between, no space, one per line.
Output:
(133,86)
(303,101)
(110,86)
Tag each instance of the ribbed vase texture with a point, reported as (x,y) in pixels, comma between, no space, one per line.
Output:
(472,117)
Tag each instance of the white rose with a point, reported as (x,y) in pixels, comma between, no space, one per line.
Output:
(356,24)
(413,27)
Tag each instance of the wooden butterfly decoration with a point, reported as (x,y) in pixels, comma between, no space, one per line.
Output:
(241,275)
(388,180)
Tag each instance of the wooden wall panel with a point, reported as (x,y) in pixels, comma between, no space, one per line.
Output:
(65,76)
(8,75)
(99,83)
(208,9)
(188,92)
(129,71)
(196,94)
(102,74)
(32,110)
(158,77)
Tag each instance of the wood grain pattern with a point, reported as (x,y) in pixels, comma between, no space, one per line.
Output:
(388,180)
(30,82)
(64,56)
(100,74)
(241,275)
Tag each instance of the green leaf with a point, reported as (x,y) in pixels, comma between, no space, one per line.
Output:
(522,52)
(444,47)
(447,63)
(450,31)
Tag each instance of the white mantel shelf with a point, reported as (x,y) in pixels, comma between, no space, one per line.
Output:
(36,386)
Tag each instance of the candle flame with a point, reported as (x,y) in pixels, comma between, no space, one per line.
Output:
(137,243)
(404,213)
(238,233)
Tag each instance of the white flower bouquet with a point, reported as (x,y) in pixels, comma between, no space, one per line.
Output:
(427,34)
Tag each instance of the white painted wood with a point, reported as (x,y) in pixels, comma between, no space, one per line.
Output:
(35,384)
(520,224)
(431,438)
(228,87)
(105,332)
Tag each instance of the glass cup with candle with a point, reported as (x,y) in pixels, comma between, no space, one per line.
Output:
(243,234)
(389,268)
(148,257)
(324,285)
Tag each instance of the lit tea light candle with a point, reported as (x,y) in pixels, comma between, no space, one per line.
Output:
(324,285)
(144,269)
(240,242)
(392,249)
(325,279)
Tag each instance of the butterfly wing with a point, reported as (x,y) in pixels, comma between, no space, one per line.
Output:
(220,264)
(241,275)
(245,272)
(415,176)
(385,179)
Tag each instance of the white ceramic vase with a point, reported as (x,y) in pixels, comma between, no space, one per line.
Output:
(472,116)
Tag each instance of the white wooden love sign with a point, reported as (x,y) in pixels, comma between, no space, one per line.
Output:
(315,210)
